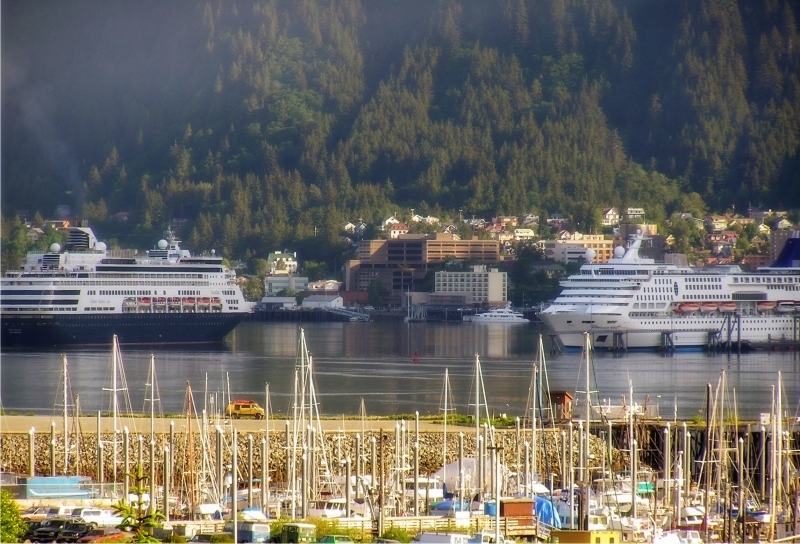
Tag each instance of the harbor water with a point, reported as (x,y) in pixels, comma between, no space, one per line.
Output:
(395,368)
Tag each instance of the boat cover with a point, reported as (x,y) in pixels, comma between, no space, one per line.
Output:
(547,512)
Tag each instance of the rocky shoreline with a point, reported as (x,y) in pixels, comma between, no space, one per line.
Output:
(340,444)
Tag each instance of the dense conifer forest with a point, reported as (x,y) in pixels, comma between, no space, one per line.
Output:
(272,123)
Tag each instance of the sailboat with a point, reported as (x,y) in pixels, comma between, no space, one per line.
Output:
(309,467)
(66,390)
(119,384)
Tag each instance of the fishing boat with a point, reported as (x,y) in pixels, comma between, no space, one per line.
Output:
(85,293)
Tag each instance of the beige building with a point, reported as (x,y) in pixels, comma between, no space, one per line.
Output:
(565,251)
(482,285)
(399,263)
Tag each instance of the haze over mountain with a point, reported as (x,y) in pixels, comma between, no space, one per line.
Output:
(270,123)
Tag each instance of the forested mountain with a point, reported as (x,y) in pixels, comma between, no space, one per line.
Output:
(269,124)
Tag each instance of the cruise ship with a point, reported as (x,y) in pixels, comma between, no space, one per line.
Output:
(84,293)
(634,302)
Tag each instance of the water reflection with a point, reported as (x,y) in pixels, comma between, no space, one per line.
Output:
(395,368)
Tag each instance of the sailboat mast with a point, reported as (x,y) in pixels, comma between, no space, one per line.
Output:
(66,422)
(585,460)
(152,397)
(534,433)
(444,441)
(477,413)
(190,437)
(114,407)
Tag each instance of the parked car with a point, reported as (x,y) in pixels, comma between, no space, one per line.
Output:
(103,534)
(49,529)
(296,533)
(99,517)
(212,537)
(335,539)
(61,511)
(32,526)
(35,513)
(244,408)
(73,531)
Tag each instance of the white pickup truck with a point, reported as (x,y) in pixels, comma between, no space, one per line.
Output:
(100,517)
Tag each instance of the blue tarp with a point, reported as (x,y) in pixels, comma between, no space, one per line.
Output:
(449,506)
(546,512)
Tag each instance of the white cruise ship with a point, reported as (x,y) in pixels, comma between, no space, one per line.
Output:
(634,302)
(84,294)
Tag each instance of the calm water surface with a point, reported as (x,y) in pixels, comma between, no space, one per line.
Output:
(395,368)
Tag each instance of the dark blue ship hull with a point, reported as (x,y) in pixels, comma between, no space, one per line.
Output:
(133,328)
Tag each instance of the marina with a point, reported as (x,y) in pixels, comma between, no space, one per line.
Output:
(299,396)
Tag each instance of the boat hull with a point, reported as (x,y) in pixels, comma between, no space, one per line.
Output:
(685,332)
(130,328)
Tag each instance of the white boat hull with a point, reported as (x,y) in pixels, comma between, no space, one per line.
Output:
(686,332)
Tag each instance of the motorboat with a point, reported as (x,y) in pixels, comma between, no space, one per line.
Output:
(497,315)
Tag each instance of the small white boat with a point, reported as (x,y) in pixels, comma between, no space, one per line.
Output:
(334,507)
(427,488)
(497,315)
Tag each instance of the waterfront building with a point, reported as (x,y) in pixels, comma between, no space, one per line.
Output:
(484,286)
(402,262)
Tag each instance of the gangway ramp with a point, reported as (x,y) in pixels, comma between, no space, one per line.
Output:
(353,315)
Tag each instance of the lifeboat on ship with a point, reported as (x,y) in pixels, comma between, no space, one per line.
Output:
(727,306)
(129,304)
(216,303)
(765,305)
(144,301)
(689,307)
(785,306)
(174,303)
(707,307)
(204,302)
(160,301)
(189,301)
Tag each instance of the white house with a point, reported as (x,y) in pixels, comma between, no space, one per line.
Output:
(350,227)
(323,301)
(530,219)
(325,285)
(523,234)
(389,221)
(282,263)
(610,217)
(397,229)
(634,213)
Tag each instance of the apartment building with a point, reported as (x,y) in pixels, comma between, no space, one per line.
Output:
(401,262)
(481,285)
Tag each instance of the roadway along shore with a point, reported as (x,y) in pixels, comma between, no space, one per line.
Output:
(88,424)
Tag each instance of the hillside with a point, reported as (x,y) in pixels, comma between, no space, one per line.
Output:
(271,124)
